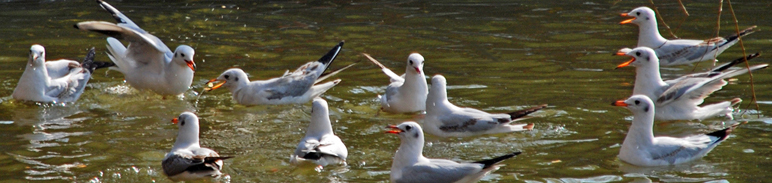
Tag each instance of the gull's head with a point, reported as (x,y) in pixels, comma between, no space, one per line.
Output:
(184,55)
(188,125)
(438,81)
(37,55)
(320,118)
(407,131)
(230,78)
(639,15)
(636,104)
(640,57)
(415,62)
(318,106)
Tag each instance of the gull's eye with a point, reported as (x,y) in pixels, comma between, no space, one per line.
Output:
(182,123)
(226,76)
(407,128)
(638,13)
(638,54)
(182,55)
(637,102)
(411,62)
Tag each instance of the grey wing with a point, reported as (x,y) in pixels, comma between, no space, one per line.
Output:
(438,171)
(290,86)
(176,164)
(393,89)
(332,145)
(134,32)
(60,68)
(471,120)
(672,149)
(76,84)
(685,49)
(695,88)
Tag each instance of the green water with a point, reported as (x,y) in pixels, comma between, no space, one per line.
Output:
(497,56)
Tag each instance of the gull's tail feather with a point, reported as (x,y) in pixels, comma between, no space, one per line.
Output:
(525,112)
(490,162)
(91,65)
(328,58)
(731,39)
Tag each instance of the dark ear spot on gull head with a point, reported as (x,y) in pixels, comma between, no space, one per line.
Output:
(648,58)
(646,109)
(236,78)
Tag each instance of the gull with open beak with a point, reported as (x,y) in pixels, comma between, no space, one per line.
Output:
(147,63)
(678,99)
(405,93)
(188,160)
(677,51)
(642,148)
(293,88)
(410,165)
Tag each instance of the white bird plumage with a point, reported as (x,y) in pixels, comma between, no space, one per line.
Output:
(641,148)
(410,165)
(445,119)
(405,93)
(677,51)
(60,81)
(147,63)
(678,99)
(320,145)
(188,160)
(292,88)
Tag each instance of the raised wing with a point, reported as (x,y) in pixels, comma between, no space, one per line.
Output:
(393,76)
(438,170)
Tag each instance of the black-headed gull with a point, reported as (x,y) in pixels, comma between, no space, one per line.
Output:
(641,148)
(293,88)
(147,63)
(188,160)
(678,51)
(410,165)
(447,120)
(406,93)
(320,145)
(64,82)
(678,99)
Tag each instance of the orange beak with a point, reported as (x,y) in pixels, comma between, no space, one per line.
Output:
(174,121)
(624,64)
(213,86)
(394,130)
(626,21)
(191,64)
(619,103)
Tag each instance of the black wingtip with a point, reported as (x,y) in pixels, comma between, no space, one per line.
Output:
(91,65)
(490,162)
(721,134)
(525,112)
(213,159)
(328,58)
(735,62)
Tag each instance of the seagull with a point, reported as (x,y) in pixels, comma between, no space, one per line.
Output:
(406,93)
(147,63)
(641,148)
(320,145)
(679,51)
(292,88)
(410,165)
(678,99)
(188,160)
(61,81)
(447,120)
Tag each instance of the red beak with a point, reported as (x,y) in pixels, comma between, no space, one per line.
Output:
(417,70)
(174,121)
(394,130)
(624,64)
(628,20)
(191,64)
(619,103)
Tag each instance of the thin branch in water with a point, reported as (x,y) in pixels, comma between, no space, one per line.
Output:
(683,8)
(656,11)
(747,65)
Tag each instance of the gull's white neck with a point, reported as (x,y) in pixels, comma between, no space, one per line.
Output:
(438,100)
(641,133)
(414,82)
(320,124)
(409,152)
(648,35)
(648,81)
(188,139)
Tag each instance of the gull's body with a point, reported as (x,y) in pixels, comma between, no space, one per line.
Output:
(641,148)
(61,81)
(293,88)
(188,160)
(448,120)
(410,165)
(320,145)
(147,63)
(678,99)
(405,93)
(678,51)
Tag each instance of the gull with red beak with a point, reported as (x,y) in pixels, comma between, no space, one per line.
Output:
(410,165)
(406,93)
(147,63)
(188,160)
(677,51)
(295,87)
(642,148)
(678,99)
(445,119)
(59,81)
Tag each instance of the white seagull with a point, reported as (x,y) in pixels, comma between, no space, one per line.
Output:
(406,93)
(410,165)
(641,148)
(147,63)
(678,51)
(188,160)
(447,120)
(293,88)
(62,81)
(320,145)
(678,99)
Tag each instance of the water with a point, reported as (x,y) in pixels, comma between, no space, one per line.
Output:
(497,56)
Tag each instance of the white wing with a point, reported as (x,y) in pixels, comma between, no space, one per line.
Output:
(393,76)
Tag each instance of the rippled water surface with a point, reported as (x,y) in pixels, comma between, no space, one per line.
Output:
(498,56)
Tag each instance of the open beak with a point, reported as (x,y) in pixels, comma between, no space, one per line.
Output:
(624,64)
(394,129)
(626,21)
(212,86)
(619,103)
(174,121)
(191,64)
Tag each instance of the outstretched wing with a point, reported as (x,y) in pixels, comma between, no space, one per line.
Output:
(393,76)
